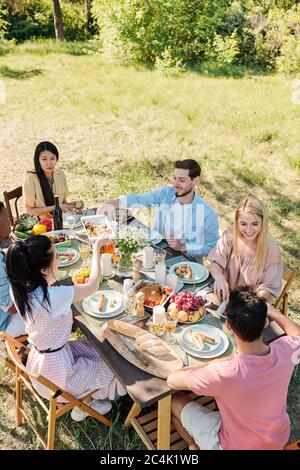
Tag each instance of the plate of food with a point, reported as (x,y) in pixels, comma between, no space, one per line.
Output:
(104,304)
(155,293)
(23,226)
(204,341)
(67,256)
(189,272)
(97,226)
(60,237)
(188,308)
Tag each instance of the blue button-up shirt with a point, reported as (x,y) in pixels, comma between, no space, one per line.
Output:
(194,224)
(5,300)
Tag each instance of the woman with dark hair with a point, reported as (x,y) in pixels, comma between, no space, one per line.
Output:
(41,185)
(73,365)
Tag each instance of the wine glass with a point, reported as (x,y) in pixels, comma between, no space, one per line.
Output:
(84,250)
(170,326)
(129,304)
(159,256)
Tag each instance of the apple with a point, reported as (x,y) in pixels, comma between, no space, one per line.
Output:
(201,311)
(194,316)
(183,316)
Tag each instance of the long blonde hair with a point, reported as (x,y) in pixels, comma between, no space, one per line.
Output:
(252,205)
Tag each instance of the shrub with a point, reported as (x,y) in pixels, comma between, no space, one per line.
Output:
(187,31)
(34,19)
(224,50)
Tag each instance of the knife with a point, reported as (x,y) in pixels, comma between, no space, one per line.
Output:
(140,357)
(185,359)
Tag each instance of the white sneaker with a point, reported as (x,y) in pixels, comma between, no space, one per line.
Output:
(101,406)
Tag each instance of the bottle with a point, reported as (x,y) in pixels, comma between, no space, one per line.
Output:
(57,215)
(136,270)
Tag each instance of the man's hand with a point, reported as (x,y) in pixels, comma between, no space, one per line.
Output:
(108,207)
(176,244)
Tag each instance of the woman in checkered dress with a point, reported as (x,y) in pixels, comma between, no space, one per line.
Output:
(72,365)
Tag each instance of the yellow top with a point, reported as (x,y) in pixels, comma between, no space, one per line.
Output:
(32,191)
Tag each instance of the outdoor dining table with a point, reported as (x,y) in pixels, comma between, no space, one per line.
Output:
(144,388)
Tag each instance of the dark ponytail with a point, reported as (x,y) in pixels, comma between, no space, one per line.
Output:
(45,186)
(24,262)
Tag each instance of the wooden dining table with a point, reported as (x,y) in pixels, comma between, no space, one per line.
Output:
(145,389)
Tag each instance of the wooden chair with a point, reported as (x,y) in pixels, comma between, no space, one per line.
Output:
(7,362)
(293,445)
(281,302)
(18,353)
(9,196)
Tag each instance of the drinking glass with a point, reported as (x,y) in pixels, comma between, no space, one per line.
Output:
(172,281)
(156,329)
(170,326)
(84,250)
(160,273)
(109,247)
(159,256)
(129,304)
(71,219)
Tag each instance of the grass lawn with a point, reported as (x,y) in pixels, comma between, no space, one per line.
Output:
(118,129)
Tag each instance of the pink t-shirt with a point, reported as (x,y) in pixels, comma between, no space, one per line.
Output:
(251,393)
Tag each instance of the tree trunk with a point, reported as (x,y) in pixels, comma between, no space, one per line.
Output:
(58,24)
(89,18)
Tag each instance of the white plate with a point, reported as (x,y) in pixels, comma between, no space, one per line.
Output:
(100,316)
(90,305)
(154,237)
(200,273)
(210,351)
(77,224)
(99,220)
(62,264)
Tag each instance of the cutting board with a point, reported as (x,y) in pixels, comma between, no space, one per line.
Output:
(160,366)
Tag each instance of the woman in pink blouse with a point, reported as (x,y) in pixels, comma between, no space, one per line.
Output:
(246,255)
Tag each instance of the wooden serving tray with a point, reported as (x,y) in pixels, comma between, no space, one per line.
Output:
(160,366)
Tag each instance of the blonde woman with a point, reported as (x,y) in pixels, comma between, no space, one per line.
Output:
(246,255)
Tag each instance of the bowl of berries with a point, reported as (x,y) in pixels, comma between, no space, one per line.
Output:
(187,308)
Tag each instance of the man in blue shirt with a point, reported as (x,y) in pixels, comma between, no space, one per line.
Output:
(183,218)
(10,321)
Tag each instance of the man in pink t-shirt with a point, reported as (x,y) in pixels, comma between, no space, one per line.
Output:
(250,387)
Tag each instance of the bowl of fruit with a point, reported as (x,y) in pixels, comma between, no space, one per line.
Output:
(82,275)
(187,308)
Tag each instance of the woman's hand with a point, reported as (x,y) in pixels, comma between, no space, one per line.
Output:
(221,288)
(99,243)
(66,207)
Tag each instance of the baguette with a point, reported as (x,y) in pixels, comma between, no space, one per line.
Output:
(189,273)
(207,339)
(199,338)
(122,327)
(101,302)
